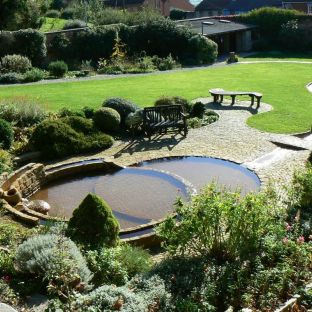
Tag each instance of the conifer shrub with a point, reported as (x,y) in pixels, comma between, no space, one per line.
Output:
(58,69)
(93,223)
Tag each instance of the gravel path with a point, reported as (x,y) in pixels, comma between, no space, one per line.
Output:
(229,138)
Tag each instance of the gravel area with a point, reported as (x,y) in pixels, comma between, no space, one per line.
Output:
(229,138)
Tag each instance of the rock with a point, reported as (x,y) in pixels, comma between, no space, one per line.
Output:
(6,308)
(39,206)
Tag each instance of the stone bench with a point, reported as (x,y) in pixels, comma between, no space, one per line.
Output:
(218,95)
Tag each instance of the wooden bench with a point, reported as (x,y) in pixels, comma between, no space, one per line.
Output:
(218,95)
(161,118)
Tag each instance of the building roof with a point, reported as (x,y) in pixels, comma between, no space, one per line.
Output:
(297,1)
(212,26)
(119,3)
(236,5)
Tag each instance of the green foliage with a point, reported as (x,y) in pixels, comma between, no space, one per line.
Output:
(27,42)
(122,106)
(58,69)
(68,13)
(204,50)
(106,119)
(56,138)
(14,63)
(218,223)
(198,110)
(6,134)
(21,111)
(93,223)
(55,259)
(67,112)
(75,24)
(88,111)
(6,161)
(11,78)
(33,75)
(172,100)
(176,14)
(134,120)
(165,63)
(139,295)
(79,124)
(53,13)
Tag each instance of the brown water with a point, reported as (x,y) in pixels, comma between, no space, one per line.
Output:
(137,196)
(202,170)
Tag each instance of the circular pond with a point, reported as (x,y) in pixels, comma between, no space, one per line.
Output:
(137,196)
(201,170)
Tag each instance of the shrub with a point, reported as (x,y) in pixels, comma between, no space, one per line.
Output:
(79,124)
(6,134)
(66,112)
(122,106)
(93,223)
(198,109)
(14,63)
(55,138)
(176,14)
(68,13)
(88,112)
(21,111)
(204,50)
(223,225)
(33,75)
(134,120)
(175,100)
(6,162)
(165,63)
(11,78)
(139,295)
(53,13)
(58,69)
(75,24)
(56,259)
(106,119)
(59,47)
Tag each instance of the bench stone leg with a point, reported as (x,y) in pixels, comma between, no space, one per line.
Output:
(252,98)
(233,99)
(221,99)
(258,102)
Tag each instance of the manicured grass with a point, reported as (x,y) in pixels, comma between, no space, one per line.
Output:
(51,24)
(283,86)
(278,56)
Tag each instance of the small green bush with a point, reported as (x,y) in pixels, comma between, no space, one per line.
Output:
(11,78)
(106,119)
(33,75)
(134,120)
(198,110)
(58,69)
(88,112)
(165,100)
(6,161)
(165,63)
(75,24)
(67,112)
(93,223)
(53,13)
(54,258)
(6,134)
(14,63)
(122,106)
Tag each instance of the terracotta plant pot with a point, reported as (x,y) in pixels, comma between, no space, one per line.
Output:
(12,196)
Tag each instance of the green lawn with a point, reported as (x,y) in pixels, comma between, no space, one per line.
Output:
(278,56)
(283,86)
(51,23)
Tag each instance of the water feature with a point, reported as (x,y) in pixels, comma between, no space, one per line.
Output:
(137,196)
(201,170)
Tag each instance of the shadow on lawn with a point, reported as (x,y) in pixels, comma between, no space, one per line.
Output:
(157,142)
(226,106)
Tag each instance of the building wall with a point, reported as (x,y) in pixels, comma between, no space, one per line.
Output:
(183,5)
(303,7)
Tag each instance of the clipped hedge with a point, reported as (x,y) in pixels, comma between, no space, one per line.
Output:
(6,134)
(106,119)
(27,42)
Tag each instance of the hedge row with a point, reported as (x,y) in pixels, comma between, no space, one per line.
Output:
(155,38)
(26,42)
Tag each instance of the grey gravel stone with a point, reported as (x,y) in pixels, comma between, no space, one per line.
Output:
(6,308)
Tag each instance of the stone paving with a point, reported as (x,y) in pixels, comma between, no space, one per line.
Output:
(229,138)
